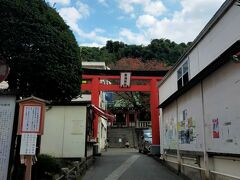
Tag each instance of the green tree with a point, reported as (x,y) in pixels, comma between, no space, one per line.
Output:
(161,50)
(40,49)
(165,50)
(97,54)
(90,53)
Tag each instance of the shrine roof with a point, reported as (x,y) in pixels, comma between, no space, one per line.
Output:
(118,72)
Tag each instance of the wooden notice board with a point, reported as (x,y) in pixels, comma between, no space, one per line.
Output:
(31,115)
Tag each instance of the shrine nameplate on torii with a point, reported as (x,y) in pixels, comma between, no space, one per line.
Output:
(94,77)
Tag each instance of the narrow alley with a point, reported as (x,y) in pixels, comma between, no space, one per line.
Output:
(127,164)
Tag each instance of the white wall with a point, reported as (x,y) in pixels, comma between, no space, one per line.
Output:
(222,102)
(174,125)
(168,88)
(52,138)
(64,131)
(225,33)
(220,38)
(102,133)
(169,124)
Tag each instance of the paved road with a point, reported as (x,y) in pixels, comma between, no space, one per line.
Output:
(128,164)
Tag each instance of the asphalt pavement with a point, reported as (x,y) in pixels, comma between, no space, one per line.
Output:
(128,164)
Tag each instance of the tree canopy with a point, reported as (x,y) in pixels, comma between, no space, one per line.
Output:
(160,50)
(41,51)
(138,64)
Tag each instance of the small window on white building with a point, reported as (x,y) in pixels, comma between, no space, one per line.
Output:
(183,75)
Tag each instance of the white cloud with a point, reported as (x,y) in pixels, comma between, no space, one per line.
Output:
(146,21)
(152,7)
(83,9)
(72,16)
(184,24)
(180,26)
(93,36)
(129,37)
(64,2)
(99,30)
(155,8)
(93,44)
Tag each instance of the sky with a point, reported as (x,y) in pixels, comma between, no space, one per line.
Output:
(93,22)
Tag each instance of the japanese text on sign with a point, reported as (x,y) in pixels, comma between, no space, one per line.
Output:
(31,119)
(28,144)
(7,107)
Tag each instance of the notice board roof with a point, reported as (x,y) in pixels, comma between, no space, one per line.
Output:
(34,99)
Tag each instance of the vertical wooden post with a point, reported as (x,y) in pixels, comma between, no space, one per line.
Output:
(28,173)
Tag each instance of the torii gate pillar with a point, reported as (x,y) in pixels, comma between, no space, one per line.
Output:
(154,101)
(95,101)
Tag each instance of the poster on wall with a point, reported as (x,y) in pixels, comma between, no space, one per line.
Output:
(186,129)
(170,134)
(228,132)
(7,108)
(215,128)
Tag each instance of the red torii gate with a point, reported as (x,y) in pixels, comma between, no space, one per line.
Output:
(96,75)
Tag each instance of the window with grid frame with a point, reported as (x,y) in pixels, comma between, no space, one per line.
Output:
(183,75)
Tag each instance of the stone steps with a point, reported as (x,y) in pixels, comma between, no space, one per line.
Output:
(114,134)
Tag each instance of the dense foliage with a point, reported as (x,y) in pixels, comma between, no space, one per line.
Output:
(161,50)
(40,49)
(46,167)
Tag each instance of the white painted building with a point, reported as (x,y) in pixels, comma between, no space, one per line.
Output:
(65,125)
(65,131)
(94,65)
(200,102)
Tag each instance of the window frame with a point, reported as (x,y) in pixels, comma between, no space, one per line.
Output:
(183,74)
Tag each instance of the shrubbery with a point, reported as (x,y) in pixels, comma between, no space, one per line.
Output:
(46,167)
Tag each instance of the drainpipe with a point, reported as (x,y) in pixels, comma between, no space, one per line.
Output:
(178,146)
(205,154)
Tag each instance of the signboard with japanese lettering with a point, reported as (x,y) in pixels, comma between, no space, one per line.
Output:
(7,108)
(31,115)
(28,144)
(31,119)
(125,79)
